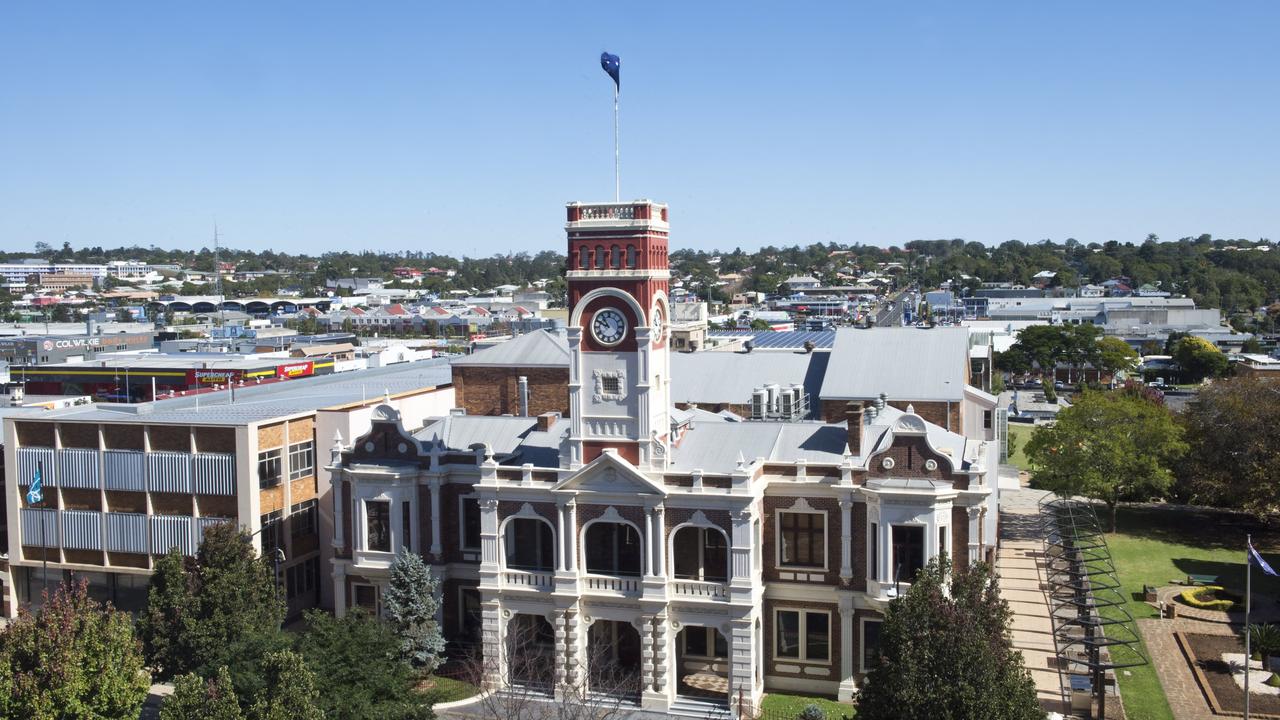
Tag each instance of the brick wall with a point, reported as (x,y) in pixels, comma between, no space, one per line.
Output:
(831,576)
(833,411)
(494,390)
(770,640)
(959,537)
(909,457)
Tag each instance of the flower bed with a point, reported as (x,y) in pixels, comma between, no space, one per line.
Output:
(1209,597)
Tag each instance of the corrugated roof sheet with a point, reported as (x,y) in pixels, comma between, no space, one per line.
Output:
(502,434)
(903,363)
(544,348)
(714,447)
(729,377)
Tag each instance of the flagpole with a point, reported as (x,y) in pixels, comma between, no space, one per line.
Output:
(44,570)
(1248,602)
(617,155)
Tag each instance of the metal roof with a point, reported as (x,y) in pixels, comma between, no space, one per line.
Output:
(715,447)
(503,434)
(260,402)
(903,363)
(788,339)
(729,377)
(543,348)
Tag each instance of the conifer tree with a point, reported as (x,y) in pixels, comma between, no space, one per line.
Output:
(411,606)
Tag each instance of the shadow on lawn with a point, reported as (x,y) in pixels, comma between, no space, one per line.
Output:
(1196,526)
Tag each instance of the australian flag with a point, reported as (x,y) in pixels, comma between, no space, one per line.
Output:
(613,66)
(35,493)
(1256,559)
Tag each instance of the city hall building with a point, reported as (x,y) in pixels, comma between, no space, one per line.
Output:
(704,558)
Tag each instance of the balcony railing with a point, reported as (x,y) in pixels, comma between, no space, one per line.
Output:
(699,589)
(527,579)
(612,584)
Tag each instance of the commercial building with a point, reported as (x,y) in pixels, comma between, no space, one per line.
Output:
(43,350)
(19,275)
(124,485)
(678,549)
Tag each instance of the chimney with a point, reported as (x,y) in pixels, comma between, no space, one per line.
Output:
(522,388)
(546,420)
(853,417)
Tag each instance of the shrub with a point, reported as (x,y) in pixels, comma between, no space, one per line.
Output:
(811,712)
(1207,598)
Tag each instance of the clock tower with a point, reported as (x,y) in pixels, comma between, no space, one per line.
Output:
(619,367)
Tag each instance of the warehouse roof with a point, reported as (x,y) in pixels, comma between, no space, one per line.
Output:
(903,363)
(543,348)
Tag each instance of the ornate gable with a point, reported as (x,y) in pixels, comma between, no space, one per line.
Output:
(610,474)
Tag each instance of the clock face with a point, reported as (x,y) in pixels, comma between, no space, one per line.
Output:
(657,324)
(609,326)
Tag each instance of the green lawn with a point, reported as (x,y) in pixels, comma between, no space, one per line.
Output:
(1156,544)
(436,689)
(1020,434)
(776,706)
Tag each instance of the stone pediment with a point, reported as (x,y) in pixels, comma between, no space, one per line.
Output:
(610,474)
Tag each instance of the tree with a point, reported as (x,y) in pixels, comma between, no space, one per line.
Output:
(948,645)
(412,608)
(1115,355)
(289,691)
(357,664)
(1233,432)
(229,615)
(1109,447)
(1199,359)
(195,698)
(75,658)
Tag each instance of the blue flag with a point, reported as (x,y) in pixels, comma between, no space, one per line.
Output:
(612,64)
(1255,558)
(35,493)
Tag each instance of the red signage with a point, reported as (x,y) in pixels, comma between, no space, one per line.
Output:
(294,370)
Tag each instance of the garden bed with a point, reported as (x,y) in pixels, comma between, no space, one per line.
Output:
(1217,676)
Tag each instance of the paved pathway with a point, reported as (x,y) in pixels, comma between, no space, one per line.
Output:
(1180,687)
(1020,567)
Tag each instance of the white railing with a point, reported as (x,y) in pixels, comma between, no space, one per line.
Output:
(699,589)
(527,579)
(604,583)
(607,212)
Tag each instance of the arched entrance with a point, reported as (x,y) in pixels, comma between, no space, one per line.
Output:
(613,659)
(702,664)
(530,651)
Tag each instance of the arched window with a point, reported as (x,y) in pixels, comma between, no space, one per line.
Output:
(584,259)
(631,256)
(700,553)
(599,257)
(612,549)
(530,544)
(615,257)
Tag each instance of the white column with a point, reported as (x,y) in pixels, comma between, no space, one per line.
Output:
(742,666)
(975,534)
(339,511)
(559,538)
(661,653)
(847,650)
(436,549)
(339,576)
(846,540)
(491,633)
(571,535)
(650,539)
(644,627)
(660,540)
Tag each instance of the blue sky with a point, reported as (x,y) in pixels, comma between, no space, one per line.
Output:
(464,127)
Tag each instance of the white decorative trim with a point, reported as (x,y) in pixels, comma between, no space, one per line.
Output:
(930,464)
(600,375)
(887,463)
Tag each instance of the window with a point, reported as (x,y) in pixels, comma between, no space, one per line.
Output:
(302,519)
(874,545)
(700,554)
(870,643)
(378,522)
(469,615)
(803,635)
(584,261)
(803,539)
(530,544)
(272,537)
(908,552)
(986,419)
(699,640)
(612,549)
(406,522)
(631,256)
(302,460)
(600,257)
(615,257)
(470,511)
(942,540)
(303,578)
(366,596)
(269,468)
(611,385)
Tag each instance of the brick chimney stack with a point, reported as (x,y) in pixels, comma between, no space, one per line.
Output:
(853,418)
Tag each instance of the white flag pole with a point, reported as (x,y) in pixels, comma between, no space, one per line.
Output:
(1248,602)
(617,156)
